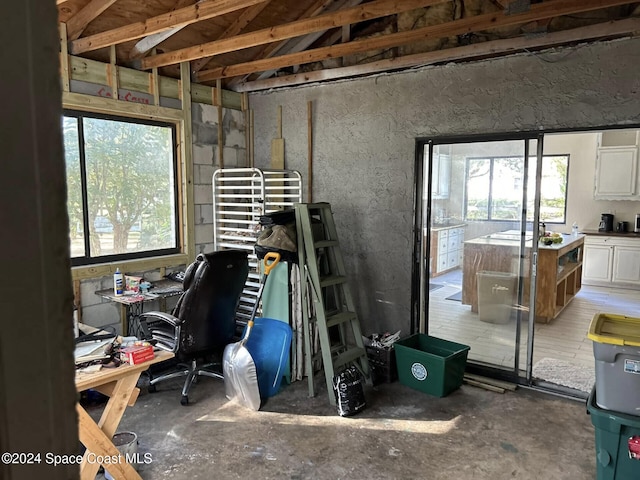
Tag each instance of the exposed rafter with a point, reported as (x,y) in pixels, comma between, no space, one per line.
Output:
(287,46)
(457,27)
(184,16)
(147,44)
(234,29)
(376,9)
(601,30)
(91,11)
(244,42)
(300,44)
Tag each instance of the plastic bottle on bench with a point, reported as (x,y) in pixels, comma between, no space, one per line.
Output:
(118,283)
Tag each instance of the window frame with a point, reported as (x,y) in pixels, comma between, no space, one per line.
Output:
(181,118)
(491,178)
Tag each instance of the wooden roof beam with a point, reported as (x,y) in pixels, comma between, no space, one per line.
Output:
(476,23)
(149,42)
(375,9)
(234,29)
(629,26)
(92,10)
(300,44)
(181,17)
(297,45)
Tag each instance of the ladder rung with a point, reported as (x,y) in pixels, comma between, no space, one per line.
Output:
(326,269)
(332,280)
(349,356)
(325,243)
(318,206)
(340,318)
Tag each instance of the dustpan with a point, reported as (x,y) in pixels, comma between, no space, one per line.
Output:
(239,369)
(269,345)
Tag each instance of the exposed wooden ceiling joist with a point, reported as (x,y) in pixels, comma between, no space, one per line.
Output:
(184,16)
(376,9)
(297,44)
(91,11)
(148,43)
(247,41)
(234,29)
(476,23)
(601,30)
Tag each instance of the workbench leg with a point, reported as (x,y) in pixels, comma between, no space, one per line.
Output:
(97,438)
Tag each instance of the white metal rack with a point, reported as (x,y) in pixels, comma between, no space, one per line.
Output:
(240,197)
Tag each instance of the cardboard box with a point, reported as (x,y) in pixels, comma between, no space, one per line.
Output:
(137,354)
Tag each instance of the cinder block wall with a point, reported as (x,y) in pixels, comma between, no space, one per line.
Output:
(205,162)
(365,131)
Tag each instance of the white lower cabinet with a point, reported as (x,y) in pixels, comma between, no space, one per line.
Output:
(626,265)
(446,247)
(597,263)
(611,261)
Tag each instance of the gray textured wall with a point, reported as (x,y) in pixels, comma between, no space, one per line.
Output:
(364,142)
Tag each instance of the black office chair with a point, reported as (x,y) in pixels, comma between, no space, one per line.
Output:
(203,321)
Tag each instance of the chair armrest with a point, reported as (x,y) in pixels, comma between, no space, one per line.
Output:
(162,327)
(162,317)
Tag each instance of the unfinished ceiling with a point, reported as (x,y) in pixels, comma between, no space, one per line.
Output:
(257,44)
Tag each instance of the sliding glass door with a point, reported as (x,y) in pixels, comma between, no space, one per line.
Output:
(478,217)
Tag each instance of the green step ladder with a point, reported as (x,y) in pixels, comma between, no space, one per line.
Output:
(327,304)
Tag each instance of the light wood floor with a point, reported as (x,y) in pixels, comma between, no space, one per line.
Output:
(565,338)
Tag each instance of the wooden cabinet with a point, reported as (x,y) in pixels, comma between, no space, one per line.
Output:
(612,261)
(559,277)
(616,176)
(446,248)
(559,271)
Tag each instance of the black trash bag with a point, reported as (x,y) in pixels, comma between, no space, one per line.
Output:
(280,217)
(347,386)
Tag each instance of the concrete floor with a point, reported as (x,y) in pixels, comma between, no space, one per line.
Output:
(402,434)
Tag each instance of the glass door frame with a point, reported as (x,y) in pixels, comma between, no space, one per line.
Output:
(422,244)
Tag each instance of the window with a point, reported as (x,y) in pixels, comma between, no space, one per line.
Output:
(494,188)
(121,187)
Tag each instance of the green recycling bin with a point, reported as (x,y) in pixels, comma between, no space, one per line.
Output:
(429,364)
(617,442)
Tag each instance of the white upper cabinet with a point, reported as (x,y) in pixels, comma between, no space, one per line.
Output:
(441,171)
(617,166)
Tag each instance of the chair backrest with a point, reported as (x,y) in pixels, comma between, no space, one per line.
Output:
(212,284)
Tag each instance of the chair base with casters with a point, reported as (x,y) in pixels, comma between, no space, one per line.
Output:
(191,371)
(202,322)
(163,329)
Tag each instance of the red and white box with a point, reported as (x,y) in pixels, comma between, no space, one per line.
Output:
(137,354)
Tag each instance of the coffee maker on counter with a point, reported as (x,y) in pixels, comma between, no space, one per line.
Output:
(606,223)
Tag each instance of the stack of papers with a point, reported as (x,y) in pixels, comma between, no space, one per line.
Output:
(92,350)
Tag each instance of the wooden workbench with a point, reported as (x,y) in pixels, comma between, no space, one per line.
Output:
(559,275)
(119,384)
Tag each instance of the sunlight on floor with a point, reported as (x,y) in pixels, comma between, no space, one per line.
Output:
(231,413)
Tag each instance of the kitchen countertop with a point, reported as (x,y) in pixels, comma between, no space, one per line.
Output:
(511,238)
(612,234)
(444,226)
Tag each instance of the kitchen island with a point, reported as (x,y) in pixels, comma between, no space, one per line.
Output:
(559,274)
